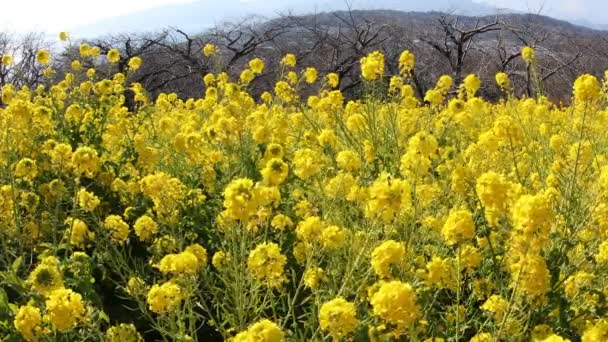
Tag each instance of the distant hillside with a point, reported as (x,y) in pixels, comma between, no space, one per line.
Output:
(202,14)
(336,41)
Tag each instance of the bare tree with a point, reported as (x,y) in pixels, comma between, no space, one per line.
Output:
(457,40)
(25,71)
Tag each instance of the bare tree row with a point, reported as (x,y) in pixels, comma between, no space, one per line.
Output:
(335,42)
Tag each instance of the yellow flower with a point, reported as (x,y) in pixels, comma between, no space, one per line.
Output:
(395,303)
(598,332)
(46,277)
(64,36)
(328,137)
(372,66)
(64,309)
(281,222)
(145,228)
(388,198)
(220,259)
(313,276)
(91,73)
(135,63)
(136,286)
(262,331)
(531,276)
(289,60)
(470,257)
(338,317)
(119,230)
(310,229)
(285,92)
(444,83)
(587,88)
(531,213)
(210,50)
(165,191)
(306,163)
(87,200)
(407,60)
(482,337)
(275,172)
(180,263)
(459,227)
(84,50)
(439,272)
(333,80)
(240,199)
(602,255)
(265,263)
(333,237)
(28,322)
(48,73)
(123,333)
(26,168)
(348,160)
(503,81)
(528,55)
(471,84)
(247,76)
(199,251)
(310,74)
(343,185)
(164,298)
(113,56)
(497,305)
(493,190)
(7,60)
(554,338)
(389,253)
(576,283)
(256,65)
(86,162)
(79,232)
(43,57)
(76,66)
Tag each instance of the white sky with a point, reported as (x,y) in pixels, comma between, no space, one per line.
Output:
(54,16)
(591,10)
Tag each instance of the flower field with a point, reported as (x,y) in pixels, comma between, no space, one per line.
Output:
(285,217)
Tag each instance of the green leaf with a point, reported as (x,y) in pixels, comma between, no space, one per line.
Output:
(16,264)
(104,317)
(4,304)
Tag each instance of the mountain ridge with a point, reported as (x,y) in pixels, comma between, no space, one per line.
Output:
(197,16)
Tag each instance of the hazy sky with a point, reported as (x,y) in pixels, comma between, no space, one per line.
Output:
(60,15)
(592,10)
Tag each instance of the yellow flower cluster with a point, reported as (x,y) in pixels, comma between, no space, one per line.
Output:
(119,229)
(46,277)
(411,215)
(262,331)
(384,256)
(459,227)
(28,322)
(123,333)
(164,298)
(338,317)
(395,303)
(266,263)
(372,66)
(65,309)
